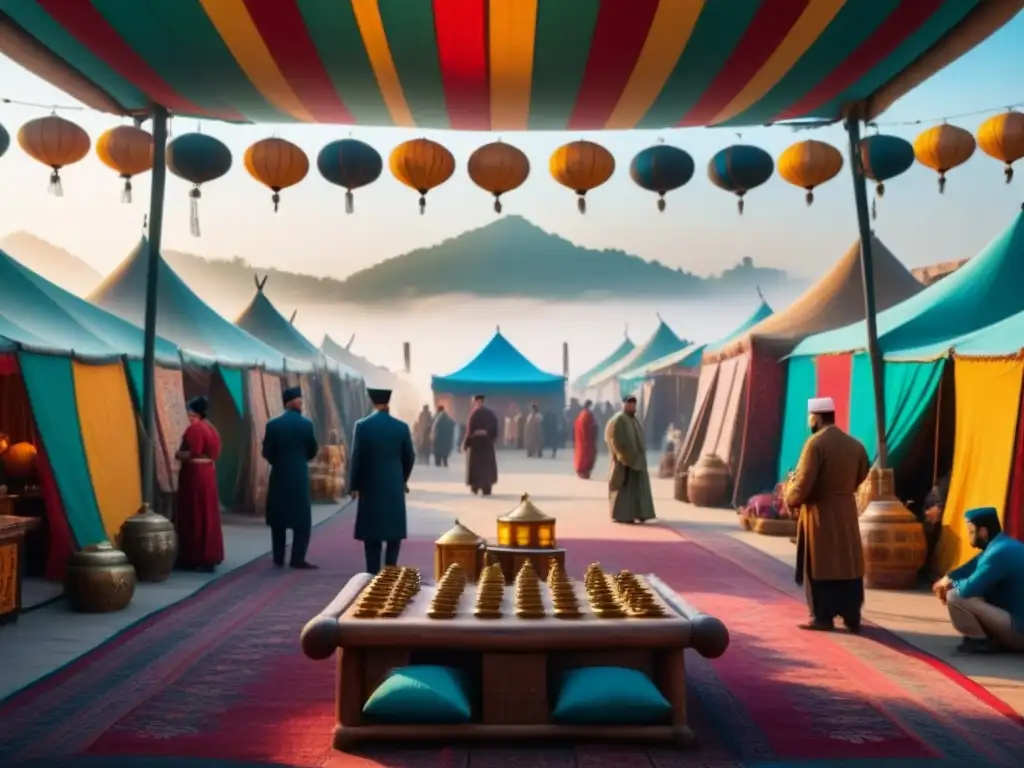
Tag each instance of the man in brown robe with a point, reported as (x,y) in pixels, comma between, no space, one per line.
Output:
(830,557)
(629,484)
(478,443)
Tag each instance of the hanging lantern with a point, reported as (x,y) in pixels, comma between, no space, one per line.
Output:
(423,165)
(581,166)
(55,142)
(943,148)
(498,168)
(661,169)
(1001,137)
(739,169)
(5,141)
(197,158)
(350,164)
(277,164)
(128,151)
(809,164)
(882,158)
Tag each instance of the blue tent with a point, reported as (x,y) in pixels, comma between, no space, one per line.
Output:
(627,346)
(500,369)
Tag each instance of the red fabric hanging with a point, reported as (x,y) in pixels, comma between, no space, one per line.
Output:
(833,373)
(761,422)
(1013,514)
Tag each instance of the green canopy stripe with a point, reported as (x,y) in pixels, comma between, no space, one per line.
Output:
(136,375)
(50,383)
(561,50)
(235,383)
(801,386)
(415,57)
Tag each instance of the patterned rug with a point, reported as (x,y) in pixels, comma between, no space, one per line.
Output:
(219,678)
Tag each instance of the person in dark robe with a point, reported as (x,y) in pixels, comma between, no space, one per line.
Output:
(830,556)
(200,536)
(422,434)
(572,412)
(585,442)
(478,443)
(629,484)
(289,444)
(533,433)
(934,506)
(554,434)
(442,434)
(382,462)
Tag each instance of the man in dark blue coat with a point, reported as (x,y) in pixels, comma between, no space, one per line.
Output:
(379,468)
(289,444)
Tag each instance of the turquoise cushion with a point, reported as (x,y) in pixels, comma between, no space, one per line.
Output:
(610,696)
(424,695)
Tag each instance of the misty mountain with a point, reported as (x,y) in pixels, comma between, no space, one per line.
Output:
(55,264)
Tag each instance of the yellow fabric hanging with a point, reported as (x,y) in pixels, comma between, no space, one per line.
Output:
(111,440)
(987,405)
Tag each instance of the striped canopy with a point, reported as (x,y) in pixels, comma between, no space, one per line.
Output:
(495,64)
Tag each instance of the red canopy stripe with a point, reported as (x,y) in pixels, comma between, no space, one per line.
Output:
(83,22)
(902,23)
(834,379)
(284,32)
(619,36)
(460,27)
(767,30)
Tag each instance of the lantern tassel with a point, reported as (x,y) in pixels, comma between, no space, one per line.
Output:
(350,201)
(423,204)
(581,203)
(56,188)
(739,205)
(809,197)
(193,220)
(1008,172)
(880,189)
(942,183)
(661,204)
(874,208)
(126,190)
(497,205)
(276,198)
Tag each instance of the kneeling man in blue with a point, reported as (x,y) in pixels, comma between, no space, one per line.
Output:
(985,596)
(382,460)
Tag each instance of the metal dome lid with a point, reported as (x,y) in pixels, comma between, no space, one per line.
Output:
(526,512)
(459,534)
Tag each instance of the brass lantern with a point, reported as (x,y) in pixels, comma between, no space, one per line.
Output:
(526,527)
(459,545)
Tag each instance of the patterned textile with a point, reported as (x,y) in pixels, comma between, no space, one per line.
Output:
(172,421)
(272,394)
(766,394)
(257,471)
(310,403)
(329,413)
(762,505)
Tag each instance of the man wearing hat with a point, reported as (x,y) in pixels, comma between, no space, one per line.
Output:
(478,443)
(985,596)
(382,460)
(830,557)
(629,484)
(289,444)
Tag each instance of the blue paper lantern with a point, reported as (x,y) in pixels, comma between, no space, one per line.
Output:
(885,157)
(351,164)
(661,169)
(5,140)
(739,169)
(199,159)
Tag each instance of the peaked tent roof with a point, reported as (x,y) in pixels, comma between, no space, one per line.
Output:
(620,352)
(374,375)
(984,291)
(498,365)
(662,342)
(837,299)
(1002,339)
(691,355)
(36,314)
(182,316)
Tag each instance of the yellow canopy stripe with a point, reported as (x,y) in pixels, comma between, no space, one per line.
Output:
(512,26)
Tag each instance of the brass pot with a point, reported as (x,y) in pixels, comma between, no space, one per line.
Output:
(707,482)
(99,579)
(895,547)
(150,543)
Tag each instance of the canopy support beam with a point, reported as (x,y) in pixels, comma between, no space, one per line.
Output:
(867,268)
(156,222)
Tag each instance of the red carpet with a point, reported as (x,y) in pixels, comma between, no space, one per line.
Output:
(220,676)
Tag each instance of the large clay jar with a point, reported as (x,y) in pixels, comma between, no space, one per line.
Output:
(707,482)
(99,579)
(680,491)
(150,543)
(894,542)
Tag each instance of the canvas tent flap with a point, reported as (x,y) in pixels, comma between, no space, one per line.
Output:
(499,366)
(724,409)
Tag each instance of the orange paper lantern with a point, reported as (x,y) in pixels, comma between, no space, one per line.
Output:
(55,142)
(943,148)
(277,164)
(128,151)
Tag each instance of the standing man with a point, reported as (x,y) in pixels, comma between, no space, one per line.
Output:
(289,444)
(478,443)
(551,425)
(585,442)
(533,433)
(829,554)
(422,428)
(382,460)
(442,435)
(629,485)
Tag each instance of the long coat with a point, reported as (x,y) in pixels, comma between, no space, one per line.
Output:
(533,434)
(382,461)
(831,469)
(551,426)
(289,444)
(481,463)
(442,435)
(629,484)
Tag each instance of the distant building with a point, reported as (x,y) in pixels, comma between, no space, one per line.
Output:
(935,272)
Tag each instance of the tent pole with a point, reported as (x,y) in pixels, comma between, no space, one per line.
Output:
(867,267)
(156,220)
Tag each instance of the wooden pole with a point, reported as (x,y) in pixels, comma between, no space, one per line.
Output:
(867,267)
(156,220)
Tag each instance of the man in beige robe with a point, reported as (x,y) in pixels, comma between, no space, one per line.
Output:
(629,484)
(533,433)
(830,557)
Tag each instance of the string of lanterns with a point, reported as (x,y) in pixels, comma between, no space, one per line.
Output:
(499,168)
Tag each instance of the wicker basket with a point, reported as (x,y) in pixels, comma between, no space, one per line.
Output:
(744,522)
(774,527)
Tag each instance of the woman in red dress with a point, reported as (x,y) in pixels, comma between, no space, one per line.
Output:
(200,538)
(585,441)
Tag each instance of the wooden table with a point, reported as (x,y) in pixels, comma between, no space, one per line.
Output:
(509,663)
(12,563)
(511,559)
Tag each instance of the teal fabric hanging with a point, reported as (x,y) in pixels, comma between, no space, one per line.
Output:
(135,375)
(909,392)
(50,383)
(235,382)
(801,386)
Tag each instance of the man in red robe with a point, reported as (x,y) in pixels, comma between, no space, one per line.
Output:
(585,441)
(200,537)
